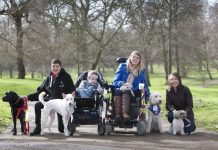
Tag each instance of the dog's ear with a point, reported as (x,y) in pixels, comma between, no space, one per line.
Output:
(64,95)
(184,114)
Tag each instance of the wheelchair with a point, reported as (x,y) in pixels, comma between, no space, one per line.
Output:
(91,110)
(137,112)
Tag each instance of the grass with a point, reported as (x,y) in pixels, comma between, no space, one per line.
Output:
(204,97)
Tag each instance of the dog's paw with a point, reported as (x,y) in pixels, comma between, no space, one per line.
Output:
(161,131)
(148,131)
(66,133)
(42,133)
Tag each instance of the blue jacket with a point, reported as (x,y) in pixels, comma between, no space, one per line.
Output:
(122,75)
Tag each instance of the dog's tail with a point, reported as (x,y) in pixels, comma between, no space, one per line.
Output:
(41,95)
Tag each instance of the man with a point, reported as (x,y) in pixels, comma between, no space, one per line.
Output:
(57,83)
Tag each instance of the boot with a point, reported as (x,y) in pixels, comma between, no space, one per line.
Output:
(125,106)
(117,106)
(36,131)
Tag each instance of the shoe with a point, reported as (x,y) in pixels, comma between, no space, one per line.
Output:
(61,131)
(36,131)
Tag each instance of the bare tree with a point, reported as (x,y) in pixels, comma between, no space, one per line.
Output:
(17,10)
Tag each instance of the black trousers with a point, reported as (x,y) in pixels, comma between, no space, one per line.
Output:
(38,107)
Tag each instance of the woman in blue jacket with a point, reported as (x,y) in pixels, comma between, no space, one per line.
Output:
(126,81)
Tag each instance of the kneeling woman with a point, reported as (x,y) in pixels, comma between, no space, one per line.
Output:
(126,81)
(179,97)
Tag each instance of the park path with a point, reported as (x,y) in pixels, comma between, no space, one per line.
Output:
(86,138)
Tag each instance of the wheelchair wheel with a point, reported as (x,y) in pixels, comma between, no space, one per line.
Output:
(141,127)
(71,127)
(101,128)
(109,129)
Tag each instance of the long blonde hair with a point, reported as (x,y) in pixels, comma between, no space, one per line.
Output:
(140,65)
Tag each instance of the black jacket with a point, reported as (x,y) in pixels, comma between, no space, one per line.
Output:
(180,100)
(54,87)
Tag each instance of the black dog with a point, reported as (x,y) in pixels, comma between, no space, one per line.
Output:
(17,111)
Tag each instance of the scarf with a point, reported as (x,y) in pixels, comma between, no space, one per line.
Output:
(133,73)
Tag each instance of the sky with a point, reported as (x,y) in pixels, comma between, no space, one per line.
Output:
(211,2)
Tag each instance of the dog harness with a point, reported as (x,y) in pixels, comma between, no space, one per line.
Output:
(155,109)
(24,108)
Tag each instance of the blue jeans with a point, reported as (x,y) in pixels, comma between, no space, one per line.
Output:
(189,124)
(85,93)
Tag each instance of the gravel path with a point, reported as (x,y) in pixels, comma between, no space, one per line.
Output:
(86,138)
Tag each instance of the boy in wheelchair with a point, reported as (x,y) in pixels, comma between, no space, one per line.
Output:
(90,87)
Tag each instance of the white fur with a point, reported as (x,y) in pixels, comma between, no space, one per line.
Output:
(178,124)
(65,107)
(154,121)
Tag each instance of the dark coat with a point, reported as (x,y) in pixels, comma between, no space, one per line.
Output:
(180,100)
(54,87)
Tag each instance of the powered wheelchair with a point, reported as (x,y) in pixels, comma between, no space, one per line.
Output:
(137,111)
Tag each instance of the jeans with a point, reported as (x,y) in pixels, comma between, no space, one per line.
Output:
(85,93)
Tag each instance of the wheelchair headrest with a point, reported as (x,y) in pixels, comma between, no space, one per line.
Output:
(121,60)
(84,75)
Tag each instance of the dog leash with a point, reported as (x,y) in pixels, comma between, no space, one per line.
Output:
(189,123)
(24,108)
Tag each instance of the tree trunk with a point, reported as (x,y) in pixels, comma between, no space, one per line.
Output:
(183,71)
(208,71)
(176,42)
(170,39)
(11,67)
(32,75)
(19,47)
(147,69)
(1,71)
(151,68)
(164,55)
(97,58)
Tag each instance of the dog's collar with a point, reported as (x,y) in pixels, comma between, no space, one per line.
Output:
(18,99)
(25,99)
(155,109)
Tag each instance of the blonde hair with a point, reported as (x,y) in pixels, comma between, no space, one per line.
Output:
(92,72)
(140,65)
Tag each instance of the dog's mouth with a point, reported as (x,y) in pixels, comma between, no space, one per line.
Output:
(4,99)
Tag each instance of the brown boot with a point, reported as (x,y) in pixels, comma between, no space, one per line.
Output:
(125,106)
(117,106)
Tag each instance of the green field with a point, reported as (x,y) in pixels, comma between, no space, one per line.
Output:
(205,95)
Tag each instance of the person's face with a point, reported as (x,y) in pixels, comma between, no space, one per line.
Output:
(174,82)
(55,68)
(135,59)
(93,79)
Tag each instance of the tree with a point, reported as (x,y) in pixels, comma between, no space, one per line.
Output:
(17,10)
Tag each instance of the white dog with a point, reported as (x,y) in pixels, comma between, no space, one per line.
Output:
(178,124)
(154,113)
(65,107)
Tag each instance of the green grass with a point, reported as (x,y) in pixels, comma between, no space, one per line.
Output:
(205,98)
